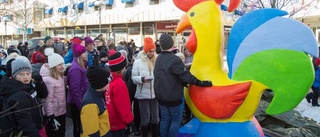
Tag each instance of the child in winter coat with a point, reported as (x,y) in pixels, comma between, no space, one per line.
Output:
(117,97)
(77,83)
(22,105)
(55,103)
(94,115)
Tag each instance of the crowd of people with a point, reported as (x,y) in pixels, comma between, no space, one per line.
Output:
(112,90)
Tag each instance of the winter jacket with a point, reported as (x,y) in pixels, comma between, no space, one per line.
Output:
(93,58)
(316,82)
(128,80)
(36,68)
(77,82)
(18,97)
(24,50)
(60,48)
(94,115)
(68,58)
(118,103)
(140,70)
(55,102)
(169,78)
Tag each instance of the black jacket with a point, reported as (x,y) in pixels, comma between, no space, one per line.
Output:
(17,117)
(130,85)
(169,78)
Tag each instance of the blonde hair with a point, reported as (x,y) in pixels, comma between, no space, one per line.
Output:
(81,62)
(54,73)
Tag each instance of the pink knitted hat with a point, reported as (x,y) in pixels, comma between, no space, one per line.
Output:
(78,49)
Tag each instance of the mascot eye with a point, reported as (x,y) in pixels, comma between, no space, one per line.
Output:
(192,14)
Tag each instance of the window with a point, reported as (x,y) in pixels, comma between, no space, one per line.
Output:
(96,8)
(129,4)
(154,2)
(148,28)
(108,7)
(134,29)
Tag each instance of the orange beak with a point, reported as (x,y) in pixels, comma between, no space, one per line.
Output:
(183,24)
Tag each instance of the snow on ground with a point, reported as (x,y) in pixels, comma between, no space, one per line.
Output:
(307,110)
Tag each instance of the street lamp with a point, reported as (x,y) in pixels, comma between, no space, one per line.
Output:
(98,4)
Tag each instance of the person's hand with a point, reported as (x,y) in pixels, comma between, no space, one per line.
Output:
(205,83)
(148,79)
(53,124)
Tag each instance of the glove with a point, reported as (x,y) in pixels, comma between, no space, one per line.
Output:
(204,83)
(37,78)
(130,127)
(53,124)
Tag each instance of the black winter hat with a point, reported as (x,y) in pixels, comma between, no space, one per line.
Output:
(166,41)
(98,77)
(103,54)
(117,62)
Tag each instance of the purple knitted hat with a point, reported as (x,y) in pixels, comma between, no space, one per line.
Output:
(78,49)
(87,41)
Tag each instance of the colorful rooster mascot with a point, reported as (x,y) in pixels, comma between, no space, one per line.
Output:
(265,51)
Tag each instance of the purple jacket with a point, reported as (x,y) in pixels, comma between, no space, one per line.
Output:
(77,82)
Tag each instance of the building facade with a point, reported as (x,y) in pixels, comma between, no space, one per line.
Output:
(129,19)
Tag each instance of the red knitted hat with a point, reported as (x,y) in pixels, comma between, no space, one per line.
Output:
(117,62)
(76,40)
(38,57)
(317,61)
(148,45)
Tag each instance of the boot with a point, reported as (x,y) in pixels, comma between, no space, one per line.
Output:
(155,130)
(144,131)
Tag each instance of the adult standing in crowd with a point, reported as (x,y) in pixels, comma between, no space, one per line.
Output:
(24,49)
(170,75)
(93,56)
(78,83)
(48,43)
(142,75)
(100,45)
(111,45)
(55,102)
(59,46)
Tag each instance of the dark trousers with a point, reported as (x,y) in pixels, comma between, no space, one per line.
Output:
(62,129)
(75,113)
(315,96)
(120,133)
(136,113)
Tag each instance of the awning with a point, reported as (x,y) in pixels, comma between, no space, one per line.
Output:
(224,7)
(63,9)
(128,1)
(91,4)
(80,5)
(109,2)
(48,11)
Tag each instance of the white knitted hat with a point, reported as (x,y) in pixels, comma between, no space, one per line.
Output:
(54,60)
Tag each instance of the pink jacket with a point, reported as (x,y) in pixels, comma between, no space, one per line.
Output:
(55,103)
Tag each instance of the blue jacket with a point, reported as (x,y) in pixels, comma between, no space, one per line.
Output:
(316,82)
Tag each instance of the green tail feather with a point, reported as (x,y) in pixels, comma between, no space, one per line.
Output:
(288,73)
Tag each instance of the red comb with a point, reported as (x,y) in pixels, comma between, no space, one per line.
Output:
(185,5)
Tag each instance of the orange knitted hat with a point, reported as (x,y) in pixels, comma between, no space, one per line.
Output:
(148,44)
